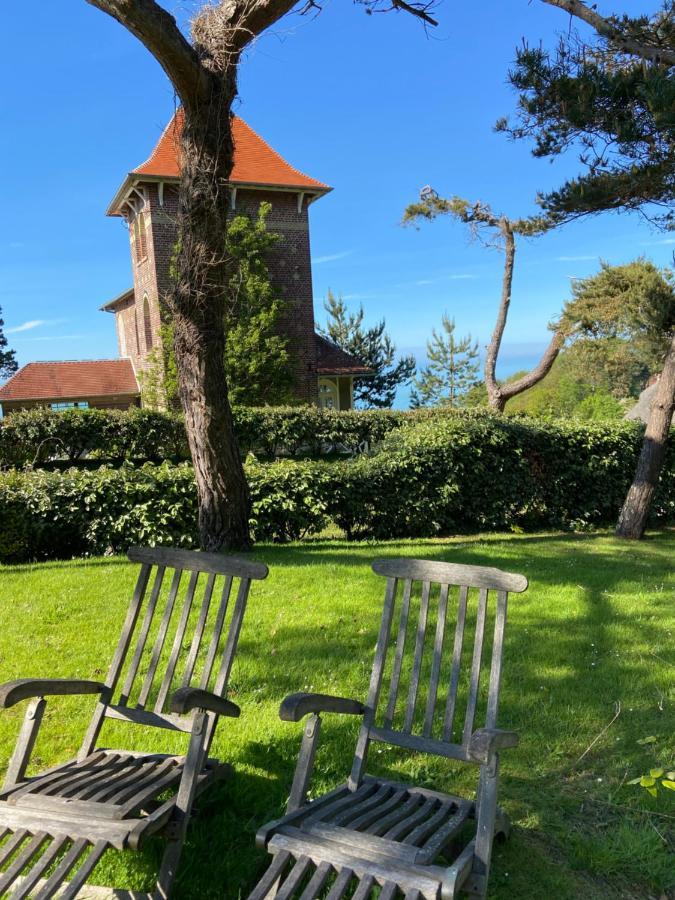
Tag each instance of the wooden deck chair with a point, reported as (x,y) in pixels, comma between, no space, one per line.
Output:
(170,670)
(376,833)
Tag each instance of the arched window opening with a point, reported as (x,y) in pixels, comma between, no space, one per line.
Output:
(140,238)
(147,325)
(138,338)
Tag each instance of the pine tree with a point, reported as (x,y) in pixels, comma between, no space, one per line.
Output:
(374,348)
(8,363)
(452,369)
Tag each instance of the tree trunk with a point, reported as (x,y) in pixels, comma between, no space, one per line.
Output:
(197,304)
(635,511)
(498,394)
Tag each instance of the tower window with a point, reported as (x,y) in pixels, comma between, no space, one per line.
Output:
(147,325)
(140,238)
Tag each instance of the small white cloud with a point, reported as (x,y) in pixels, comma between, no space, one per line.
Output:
(27,326)
(574,258)
(331,257)
(461,277)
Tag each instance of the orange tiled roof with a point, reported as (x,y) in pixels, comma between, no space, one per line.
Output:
(333,360)
(71,380)
(255,162)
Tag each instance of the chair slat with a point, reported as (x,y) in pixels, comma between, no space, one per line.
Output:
(340,885)
(28,852)
(401,812)
(142,637)
(456,661)
(269,879)
(421,832)
(443,835)
(475,666)
(199,631)
(398,655)
(424,811)
(375,814)
(177,644)
(293,878)
(366,884)
(345,817)
(417,661)
(496,664)
(217,630)
(128,628)
(325,813)
(436,661)
(60,873)
(375,684)
(317,881)
(232,637)
(159,640)
(72,889)
(10,847)
(30,879)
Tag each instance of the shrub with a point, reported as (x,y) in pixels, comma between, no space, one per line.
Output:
(451,474)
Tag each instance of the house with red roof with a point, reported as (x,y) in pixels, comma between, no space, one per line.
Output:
(147,200)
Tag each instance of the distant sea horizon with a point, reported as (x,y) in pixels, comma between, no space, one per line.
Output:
(515,357)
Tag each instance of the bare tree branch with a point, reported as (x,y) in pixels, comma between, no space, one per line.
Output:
(158,31)
(609,29)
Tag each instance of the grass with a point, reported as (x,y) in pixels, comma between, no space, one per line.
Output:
(594,630)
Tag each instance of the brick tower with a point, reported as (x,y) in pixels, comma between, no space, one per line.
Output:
(147,200)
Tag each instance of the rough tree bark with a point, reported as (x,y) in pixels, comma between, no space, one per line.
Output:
(204,75)
(499,394)
(610,29)
(635,511)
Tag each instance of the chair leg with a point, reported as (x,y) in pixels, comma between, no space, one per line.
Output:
(485,827)
(168,868)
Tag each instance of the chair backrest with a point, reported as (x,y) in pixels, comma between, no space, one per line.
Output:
(421,680)
(181,629)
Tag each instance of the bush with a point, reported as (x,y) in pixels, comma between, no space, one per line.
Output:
(451,474)
(45,515)
(485,472)
(39,437)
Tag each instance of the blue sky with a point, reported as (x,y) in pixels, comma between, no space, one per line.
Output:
(373,105)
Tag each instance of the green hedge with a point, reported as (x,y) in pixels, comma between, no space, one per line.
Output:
(38,436)
(451,475)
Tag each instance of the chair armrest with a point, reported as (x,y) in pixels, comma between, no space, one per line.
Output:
(487,741)
(297,706)
(14,691)
(186,699)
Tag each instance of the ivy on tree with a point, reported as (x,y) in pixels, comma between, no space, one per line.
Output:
(374,348)
(8,363)
(452,369)
(257,364)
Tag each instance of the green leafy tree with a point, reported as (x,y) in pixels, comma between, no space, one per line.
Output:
(612,98)
(452,369)
(257,363)
(633,303)
(8,363)
(374,348)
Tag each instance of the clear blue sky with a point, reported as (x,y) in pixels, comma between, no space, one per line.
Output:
(372,105)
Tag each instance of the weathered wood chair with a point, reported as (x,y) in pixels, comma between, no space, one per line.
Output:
(376,833)
(58,824)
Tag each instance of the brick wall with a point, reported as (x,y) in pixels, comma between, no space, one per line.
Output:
(290,270)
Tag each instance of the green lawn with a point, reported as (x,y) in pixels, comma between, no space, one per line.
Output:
(594,630)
